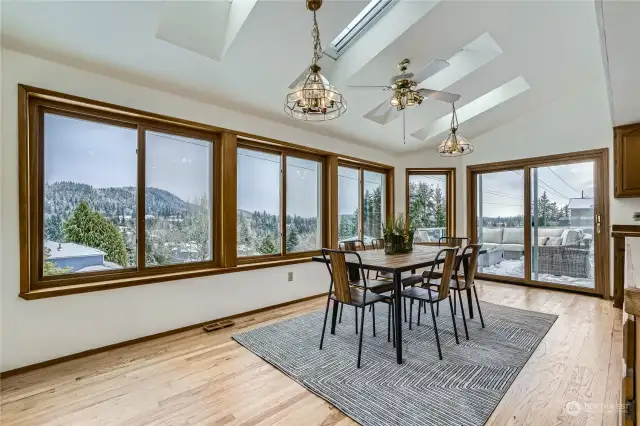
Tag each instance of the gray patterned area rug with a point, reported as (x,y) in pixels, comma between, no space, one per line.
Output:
(462,389)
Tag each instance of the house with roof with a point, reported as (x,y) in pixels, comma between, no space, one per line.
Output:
(581,212)
(78,257)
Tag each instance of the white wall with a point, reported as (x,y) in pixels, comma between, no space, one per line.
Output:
(38,330)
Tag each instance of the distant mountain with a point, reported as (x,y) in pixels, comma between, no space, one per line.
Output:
(62,197)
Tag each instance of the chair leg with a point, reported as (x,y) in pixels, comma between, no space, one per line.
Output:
(404,304)
(361,335)
(389,323)
(373,316)
(419,310)
(324,325)
(435,329)
(455,306)
(478,304)
(356,308)
(340,319)
(410,313)
(438,308)
(464,319)
(453,318)
(424,307)
(393,322)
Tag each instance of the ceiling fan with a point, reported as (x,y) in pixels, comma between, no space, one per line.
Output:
(406,92)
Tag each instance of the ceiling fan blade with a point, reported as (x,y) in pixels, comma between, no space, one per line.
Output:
(431,69)
(440,96)
(369,87)
(383,113)
(381,109)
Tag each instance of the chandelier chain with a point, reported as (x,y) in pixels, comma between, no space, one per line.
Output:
(454,119)
(317,46)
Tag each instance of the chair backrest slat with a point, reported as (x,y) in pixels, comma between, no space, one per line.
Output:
(473,263)
(342,290)
(447,270)
(338,267)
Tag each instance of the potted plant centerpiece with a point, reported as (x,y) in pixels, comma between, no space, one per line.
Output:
(398,235)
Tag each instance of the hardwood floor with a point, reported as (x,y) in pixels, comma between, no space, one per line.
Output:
(199,378)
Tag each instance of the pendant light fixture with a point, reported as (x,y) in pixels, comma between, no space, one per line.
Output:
(454,145)
(315,99)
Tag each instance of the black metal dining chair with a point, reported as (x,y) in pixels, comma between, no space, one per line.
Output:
(462,282)
(425,294)
(361,296)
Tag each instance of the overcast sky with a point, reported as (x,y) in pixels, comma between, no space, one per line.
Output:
(503,192)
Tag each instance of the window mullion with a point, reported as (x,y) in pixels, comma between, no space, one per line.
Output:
(140,213)
(283,204)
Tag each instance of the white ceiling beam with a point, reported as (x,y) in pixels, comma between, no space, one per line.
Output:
(474,108)
(238,14)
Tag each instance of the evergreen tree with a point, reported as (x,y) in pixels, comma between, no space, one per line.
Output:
(292,239)
(89,228)
(267,246)
(53,228)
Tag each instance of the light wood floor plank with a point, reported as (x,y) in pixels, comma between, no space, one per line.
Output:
(197,378)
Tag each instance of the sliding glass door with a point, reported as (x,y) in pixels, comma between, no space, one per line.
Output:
(542,220)
(500,222)
(563,224)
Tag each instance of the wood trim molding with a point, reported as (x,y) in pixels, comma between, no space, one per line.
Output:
(602,208)
(450,176)
(31,104)
(90,352)
(331,205)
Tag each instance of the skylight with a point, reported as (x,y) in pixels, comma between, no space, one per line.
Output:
(360,24)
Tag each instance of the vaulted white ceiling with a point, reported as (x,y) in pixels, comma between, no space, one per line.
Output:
(620,35)
(507,58)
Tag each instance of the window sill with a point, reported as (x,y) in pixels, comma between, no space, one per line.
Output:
(43,293)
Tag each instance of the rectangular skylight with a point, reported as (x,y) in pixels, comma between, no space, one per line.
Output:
(360,24)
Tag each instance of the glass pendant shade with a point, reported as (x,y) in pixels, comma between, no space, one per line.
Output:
(454,146)
(315,99)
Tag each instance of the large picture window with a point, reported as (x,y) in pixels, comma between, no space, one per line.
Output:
(279,203)
(362,203)
(114,198)
(111,197)
(430,203)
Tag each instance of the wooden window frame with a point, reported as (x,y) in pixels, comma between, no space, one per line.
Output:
(284,152)
(224,194)
(450,175)
(600,157)
(388,173)
(37,108)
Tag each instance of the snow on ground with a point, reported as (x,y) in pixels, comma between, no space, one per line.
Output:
(515,268)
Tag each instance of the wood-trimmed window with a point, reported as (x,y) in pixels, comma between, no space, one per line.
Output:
(430,203)
(112,197)
(365,201)
(280,203)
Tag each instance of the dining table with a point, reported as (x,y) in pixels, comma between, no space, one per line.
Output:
(422,256)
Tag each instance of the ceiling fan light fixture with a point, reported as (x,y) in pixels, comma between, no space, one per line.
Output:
(315,99)
(455,144)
